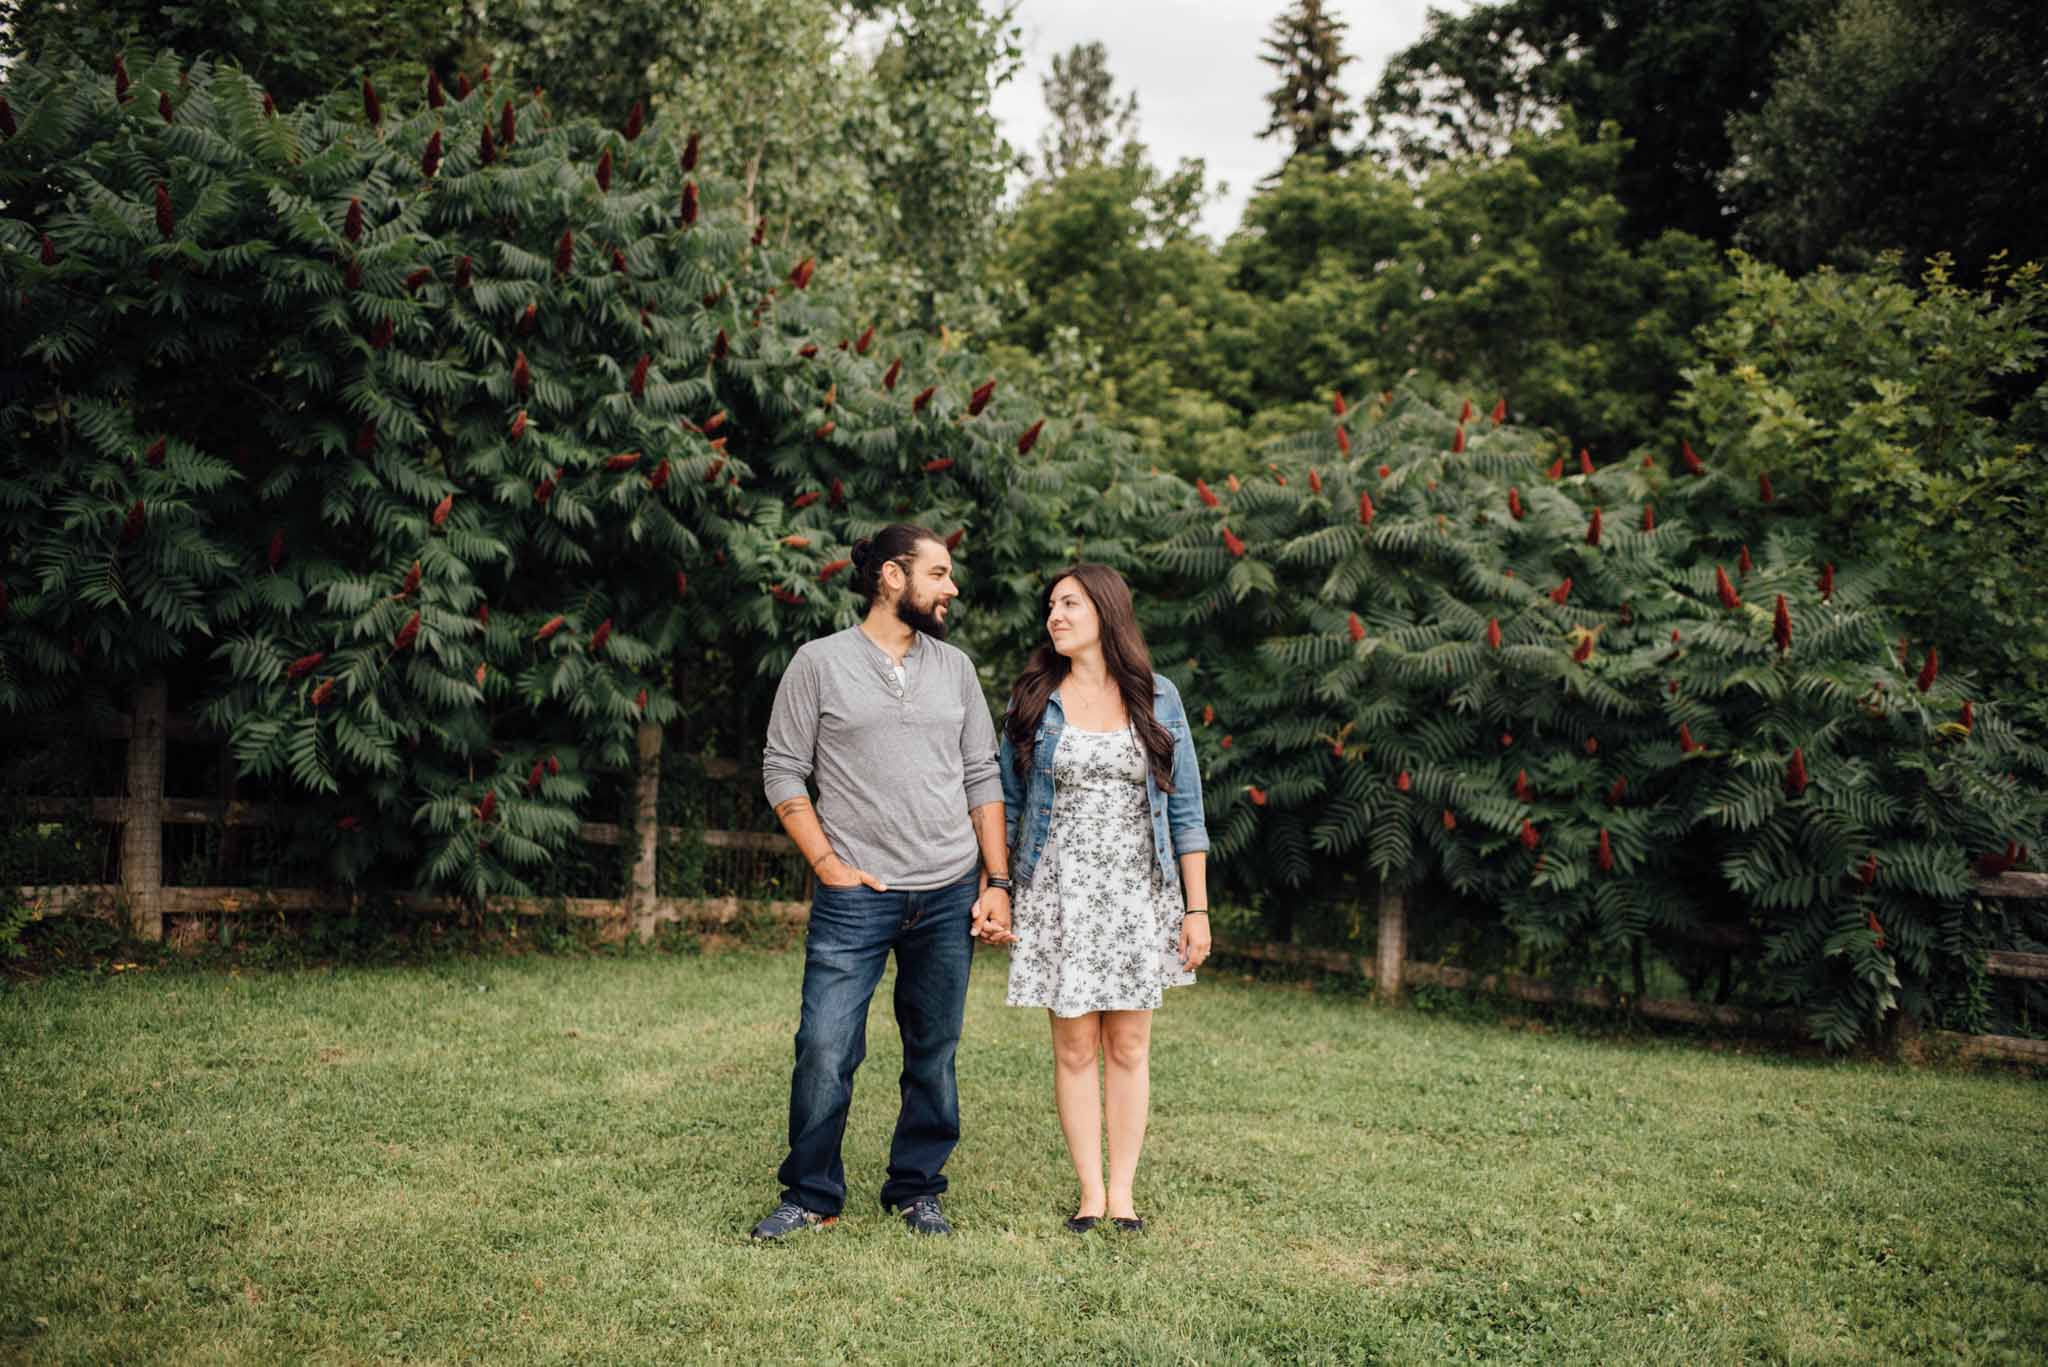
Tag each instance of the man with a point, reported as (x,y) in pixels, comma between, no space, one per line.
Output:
(907,842)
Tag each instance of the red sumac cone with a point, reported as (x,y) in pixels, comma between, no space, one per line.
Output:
(1969,717)
(1458,440)
(1866,872)
(533,778)
(1557,468)
(276,555)
(658,479)
(801,276)
(522,375)
(489,806)
(1515,509)
(487,148)
(604,170)
(720,345)
(1781,626)
(978,400)
(1693,465)
(924,396)
(352,221)
(49,251)
(1530,839)
(1355,627)
(1493,633)
(1500,412)
(600,636)
(1615,794)
(1795,773)
(407,634)
(443,508)
(548,628)
(304,665)
(1315,482)
(1583,651)
(690,154)
(554,766)
(352,275)
(1365,509)
(380,336)
(373,108)
(830,568)
(565,251)
(418,279)
(1030,437)
(154,456)
(435,97)
(1464,412)
(864,341)
(1337,404)
(953,538)
(1384,471)
(1343,441)
(1743,564)
(825,430)
(618,262)
(1649,518)
(462,269)
(638,384)
(1562,593)
(1402,782)
(1585,462)
(1725,589)
(1593,528)
(714,422)
(1929,671)
(508,125)
(1522,786)
(366,439)
(889,376)
(1232,543)
(411,582)
(518,424)
(636,119)
(1827,582)
(686,215)
(1257,794)
(1763,487)
(625,460)
(682,584)
(939,466)
(166,220)
(163,108)
(836,497)
(1605,859)
(1208,495)
(544,490)
(1686,744)
(322,691)
(1450,820)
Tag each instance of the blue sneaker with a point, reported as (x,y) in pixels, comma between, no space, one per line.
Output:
(790,1218)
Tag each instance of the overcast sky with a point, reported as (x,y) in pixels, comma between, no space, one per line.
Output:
(1195,67)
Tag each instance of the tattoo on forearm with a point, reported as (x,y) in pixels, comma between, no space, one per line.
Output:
(783,809)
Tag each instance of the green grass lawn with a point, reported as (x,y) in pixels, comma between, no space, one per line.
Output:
(556,1160)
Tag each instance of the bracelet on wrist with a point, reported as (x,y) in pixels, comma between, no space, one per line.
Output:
(1004,883)
(1196,911)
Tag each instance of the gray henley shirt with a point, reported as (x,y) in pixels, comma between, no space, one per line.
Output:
(898,765)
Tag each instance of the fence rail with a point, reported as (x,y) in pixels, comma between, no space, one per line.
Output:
(145,900)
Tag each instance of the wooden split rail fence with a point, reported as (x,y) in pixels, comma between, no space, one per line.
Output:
(144,811)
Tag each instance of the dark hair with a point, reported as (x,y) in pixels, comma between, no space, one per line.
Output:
(1123,651)
(899,542)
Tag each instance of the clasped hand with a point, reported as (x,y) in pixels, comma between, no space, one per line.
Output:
(992,918)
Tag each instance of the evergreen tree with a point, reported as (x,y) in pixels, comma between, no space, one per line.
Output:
(1305,47)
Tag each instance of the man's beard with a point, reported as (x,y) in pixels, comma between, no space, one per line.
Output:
(920,616)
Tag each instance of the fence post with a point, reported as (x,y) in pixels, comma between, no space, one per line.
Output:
(646,829)
(1393,942)
(142,814)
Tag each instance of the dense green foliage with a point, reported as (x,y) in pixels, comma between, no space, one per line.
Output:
(1911,423)
(1610,702)
(443,520)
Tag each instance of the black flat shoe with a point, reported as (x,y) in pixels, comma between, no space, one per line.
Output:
(1134,1225)
(1081,1224)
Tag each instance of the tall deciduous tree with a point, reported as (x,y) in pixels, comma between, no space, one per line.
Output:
(1910,124)
(1088,120)
(1669,75)
(1305,47)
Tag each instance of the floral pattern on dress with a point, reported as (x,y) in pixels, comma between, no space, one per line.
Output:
(1098,926)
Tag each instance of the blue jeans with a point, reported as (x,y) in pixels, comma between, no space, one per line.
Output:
(851,933)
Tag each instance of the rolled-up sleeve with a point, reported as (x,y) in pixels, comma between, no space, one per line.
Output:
(790,751)
(981,773)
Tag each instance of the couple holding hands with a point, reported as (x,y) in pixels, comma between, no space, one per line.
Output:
(1076,839)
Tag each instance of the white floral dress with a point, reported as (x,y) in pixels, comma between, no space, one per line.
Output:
(1098,925)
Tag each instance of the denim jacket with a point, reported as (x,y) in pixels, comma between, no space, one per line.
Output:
(1177,824)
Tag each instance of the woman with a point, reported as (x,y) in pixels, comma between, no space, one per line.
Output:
(1104,805)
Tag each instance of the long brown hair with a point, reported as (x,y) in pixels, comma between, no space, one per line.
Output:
(1123,651)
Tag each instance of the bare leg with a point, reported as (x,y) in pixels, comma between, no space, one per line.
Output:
(1127,1083)
(1075,1046)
